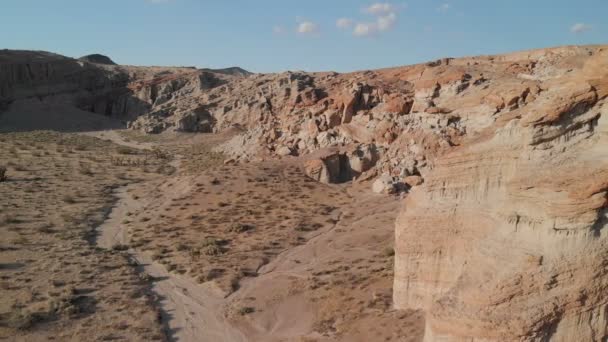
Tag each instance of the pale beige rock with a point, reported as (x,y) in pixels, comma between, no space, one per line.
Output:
(506,239)
(413,180)
(317,170)
(502,236)
(283,151)
(384,184)
(362,158)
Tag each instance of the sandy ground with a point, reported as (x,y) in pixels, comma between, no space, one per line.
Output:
(188,307)
(54,283)
(289,259)
(190,249)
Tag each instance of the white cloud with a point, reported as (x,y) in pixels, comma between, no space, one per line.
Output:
(444,7)
(365,29)
(387,22)
(386,18)
(307,27)
(344,23)
(580,28)
(380,8)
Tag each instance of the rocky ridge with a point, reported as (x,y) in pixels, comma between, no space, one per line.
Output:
(506,240)
(502,235)
(97,59)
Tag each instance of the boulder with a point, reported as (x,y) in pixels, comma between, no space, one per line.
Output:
(385,184)
(398,104)
(317,170)
(413,181)
(283,151)
(362,158)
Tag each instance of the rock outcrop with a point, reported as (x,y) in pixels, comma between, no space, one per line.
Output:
(505,160)
(94,83)
(507,238)
(97,59)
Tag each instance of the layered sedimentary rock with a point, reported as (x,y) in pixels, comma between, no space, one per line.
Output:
(505,160)
(507,238)
(58,80)
(95,84)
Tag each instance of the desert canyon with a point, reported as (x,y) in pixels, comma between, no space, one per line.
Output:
(459,200)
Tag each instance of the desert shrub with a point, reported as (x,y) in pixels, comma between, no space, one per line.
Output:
(9,218)
(239,227)
(128,162)
(246,310)
(68,199)
(80,147)
(212,246)
(210,241)
(126,150)
(212,250)
(46,228)
(182,247)
(85,170)
(120,248)
(389,252)
(160,154)
(3,176)
(165,169)
(21,319)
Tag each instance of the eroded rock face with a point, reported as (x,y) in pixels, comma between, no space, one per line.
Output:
(96,84)
(45,76)
(341,165)
(507,238)
(503,233)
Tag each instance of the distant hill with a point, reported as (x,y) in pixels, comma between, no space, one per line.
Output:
(97,59)
(234,71)
(28,56)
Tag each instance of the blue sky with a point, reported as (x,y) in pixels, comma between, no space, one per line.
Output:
(314,35)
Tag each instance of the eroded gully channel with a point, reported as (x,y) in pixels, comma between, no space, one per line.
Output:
(189,311)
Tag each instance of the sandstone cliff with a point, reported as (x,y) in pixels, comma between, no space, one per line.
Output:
(506,240)
(504,158)
(95,84)
(502,237)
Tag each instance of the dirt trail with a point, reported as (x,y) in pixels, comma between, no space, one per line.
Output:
(340,245)
(115,137)
(190,311)
(286,309)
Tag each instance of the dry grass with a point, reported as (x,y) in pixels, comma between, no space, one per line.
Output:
(210,222)
(232,219)
(55,282)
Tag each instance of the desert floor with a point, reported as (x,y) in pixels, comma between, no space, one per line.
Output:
(112,235)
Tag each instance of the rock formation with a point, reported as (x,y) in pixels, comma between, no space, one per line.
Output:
(506,240)
(502,236)
(95,84)
(97,59)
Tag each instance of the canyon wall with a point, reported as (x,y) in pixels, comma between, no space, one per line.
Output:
(507,238)
(504,160)
(93,84)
